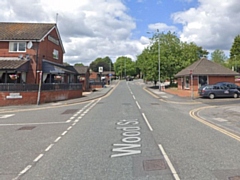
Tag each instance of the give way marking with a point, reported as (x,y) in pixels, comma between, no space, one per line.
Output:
(6,116)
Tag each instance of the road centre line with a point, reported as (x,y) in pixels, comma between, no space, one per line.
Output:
(175,175)
(65,132)
(49,147)
(38,158)
(134,97)
(139,107)
(146,120)
(56,140)
(23,172)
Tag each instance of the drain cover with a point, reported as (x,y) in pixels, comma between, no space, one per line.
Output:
(27,128)
(154,164)
(234,178)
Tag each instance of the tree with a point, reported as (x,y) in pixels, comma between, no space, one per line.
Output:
(124,66)
(102,62)
(218,56)
(234,60)
(174,56)
(79,64)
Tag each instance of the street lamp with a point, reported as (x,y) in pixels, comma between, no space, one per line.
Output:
(159,61)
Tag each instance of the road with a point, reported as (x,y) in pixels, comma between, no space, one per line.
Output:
(127,135)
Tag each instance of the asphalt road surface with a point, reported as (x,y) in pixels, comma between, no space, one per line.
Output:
(127,135)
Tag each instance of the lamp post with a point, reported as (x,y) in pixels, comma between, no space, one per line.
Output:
(125,67)
(159,61)
(159,74)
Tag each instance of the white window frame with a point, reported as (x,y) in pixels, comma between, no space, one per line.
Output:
(55,54)
(17,45)
(187,84)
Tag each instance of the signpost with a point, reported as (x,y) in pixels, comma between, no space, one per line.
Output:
(192,93)
(100,70)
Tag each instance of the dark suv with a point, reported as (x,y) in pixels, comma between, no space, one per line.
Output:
(218,90)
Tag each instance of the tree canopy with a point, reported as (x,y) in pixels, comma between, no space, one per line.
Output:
(234,60)
(124,66)
(218,56)
(172,54)
(106,63)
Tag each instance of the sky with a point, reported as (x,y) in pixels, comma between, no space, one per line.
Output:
(90,29)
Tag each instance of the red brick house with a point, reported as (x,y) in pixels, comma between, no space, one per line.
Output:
(30,52)
(83,76)
(26,49)
(203,72)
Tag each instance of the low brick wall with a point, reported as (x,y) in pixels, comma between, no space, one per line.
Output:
(24,98)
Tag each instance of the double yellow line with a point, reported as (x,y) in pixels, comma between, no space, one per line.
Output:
(193,112)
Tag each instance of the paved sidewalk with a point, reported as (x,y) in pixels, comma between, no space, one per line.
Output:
(86,97)
(172,95)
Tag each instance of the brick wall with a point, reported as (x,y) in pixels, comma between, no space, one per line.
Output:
(215,79)
(46,96)
(211,79)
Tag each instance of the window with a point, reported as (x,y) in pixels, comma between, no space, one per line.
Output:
(202,80)
(17,46)
(55,54)
(216,87)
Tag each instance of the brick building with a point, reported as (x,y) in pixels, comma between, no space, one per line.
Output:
(203,72)
(30,52)
(26,49)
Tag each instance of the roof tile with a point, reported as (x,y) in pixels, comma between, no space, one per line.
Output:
(24,31)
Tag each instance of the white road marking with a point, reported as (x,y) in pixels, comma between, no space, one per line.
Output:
(23,172)
(49,147)
(175,175)
(138,105)
(58,139)
(6,116)
(220,119)
(146,120)
(37,158)
(134,97)
(65,132)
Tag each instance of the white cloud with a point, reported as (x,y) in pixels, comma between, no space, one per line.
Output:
(89,28)
(162,27)
(213,24)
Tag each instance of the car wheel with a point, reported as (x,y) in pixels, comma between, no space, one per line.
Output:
(211,96)
(235,95)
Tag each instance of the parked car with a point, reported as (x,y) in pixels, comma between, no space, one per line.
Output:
(129,78)
(213,91)
(229,85)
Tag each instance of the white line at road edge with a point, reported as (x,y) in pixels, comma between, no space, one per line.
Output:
(149,126)
(175,175)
